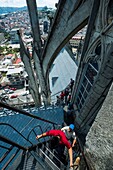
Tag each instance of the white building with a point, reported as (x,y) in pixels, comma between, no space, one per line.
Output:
(14,36)
(6,62)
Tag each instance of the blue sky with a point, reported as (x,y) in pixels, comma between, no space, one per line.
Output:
(20,3)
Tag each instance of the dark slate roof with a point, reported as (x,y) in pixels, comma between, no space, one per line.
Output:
(25,125)
(19,121)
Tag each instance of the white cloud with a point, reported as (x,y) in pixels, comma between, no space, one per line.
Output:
(12,3)
(20,3)
(49,3)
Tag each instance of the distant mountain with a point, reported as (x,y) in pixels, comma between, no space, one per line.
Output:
(5,10)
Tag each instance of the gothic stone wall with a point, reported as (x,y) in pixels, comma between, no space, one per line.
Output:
(99,141)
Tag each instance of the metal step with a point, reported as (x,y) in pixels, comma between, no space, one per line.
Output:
(53,155)
(48,160)
(42,162)
(31,162)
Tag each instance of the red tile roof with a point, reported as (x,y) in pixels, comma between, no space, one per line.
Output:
(18,61)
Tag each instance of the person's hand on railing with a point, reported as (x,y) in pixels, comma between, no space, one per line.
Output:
(41,136)
(71,165)
(38,136)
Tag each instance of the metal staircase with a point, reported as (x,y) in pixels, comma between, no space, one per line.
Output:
(32,157)
(40,158)
(19,149)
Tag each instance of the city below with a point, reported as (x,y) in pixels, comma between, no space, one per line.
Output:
(12,70)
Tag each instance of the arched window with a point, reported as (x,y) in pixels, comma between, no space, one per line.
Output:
(90,73)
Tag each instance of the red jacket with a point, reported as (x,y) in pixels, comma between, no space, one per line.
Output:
(61,134)
(62,95)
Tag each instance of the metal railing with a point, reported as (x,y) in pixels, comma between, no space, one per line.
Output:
(13,144)
(13,147)
(25,113)
(20,147)
(81,154)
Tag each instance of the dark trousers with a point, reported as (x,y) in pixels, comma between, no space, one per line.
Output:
(60,151)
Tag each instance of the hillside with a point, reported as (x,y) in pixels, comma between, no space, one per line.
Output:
(5,10)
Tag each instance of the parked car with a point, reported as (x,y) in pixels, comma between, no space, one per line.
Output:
(6,90)
(10,92)
(13,88)
(6,97)
(13,96)
(3,93)
(25,93)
